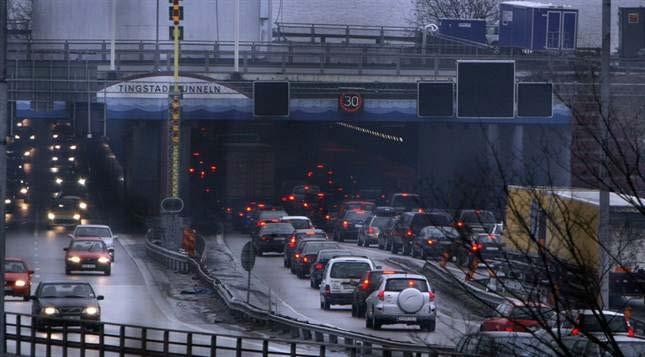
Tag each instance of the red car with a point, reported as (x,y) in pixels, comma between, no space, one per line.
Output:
(17,278)
(87,254)
(516,316)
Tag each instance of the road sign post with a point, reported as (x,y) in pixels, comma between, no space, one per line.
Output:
(248,261)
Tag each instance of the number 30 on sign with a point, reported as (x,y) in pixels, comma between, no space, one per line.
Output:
(350,102)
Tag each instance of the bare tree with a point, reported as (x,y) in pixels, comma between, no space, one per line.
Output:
(19,10)
(428,11)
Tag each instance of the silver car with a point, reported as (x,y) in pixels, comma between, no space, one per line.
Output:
(99,231)
(402,299)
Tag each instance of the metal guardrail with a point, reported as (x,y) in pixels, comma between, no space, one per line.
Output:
(72,338)
(355,343)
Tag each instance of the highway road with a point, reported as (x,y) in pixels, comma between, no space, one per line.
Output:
(452,318)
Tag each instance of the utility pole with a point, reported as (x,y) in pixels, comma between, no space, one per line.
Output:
(3,155)
(605,100)
(157,37)
(236,45)
(113,38)
(175,127)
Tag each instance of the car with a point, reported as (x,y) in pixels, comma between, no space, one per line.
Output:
(272,238)
(486,245)
(87,254)
(406,228)
(56,303)
(318,266)
(17,278)
(401,299)
(267,216)
(350,224)
(508,344)
(295,255)
(351,205)
(96,230)
(406,201)
(307,253)
(303,199)
(583,322)
(291,245)
(374,227)
(628,346)
(433,241)
(339,278)
(66,212)
(244,218)
(518,316)
(472,221)
(298,222)
(369,283)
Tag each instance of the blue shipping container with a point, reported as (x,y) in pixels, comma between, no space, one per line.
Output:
(536,26)
(467,29)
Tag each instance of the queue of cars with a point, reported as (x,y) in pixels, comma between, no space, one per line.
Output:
(342,277)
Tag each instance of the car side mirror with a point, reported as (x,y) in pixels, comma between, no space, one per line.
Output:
(116,236)
(379,267)
(99,297)
(71,236)
(30,271)
(65,249)
(33,297)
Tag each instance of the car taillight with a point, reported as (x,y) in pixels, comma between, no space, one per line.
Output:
(264,238)
(381,295)
(319,266)
(328,217)
(305,205)
(345,224)
(291,198)
(409,233)
(372,230)
(249,209)
(430,242)
(431,295)
(508,329)
(459,224)
(292,242)
(575,331)
(365,284)
(321,195)
(475,247)
(262,224)
(327,289)
(297,255)
(305,260)
(630,331)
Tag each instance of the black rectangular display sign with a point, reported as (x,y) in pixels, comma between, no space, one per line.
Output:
(485,89)
(271,98)
(534,100)
(435,99)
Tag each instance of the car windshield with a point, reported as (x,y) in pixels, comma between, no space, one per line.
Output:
(300,223)
(349,270)
(87,246)
(93,232)
(66,290)
(440,220)
(409,202)
(68,203)
(591,324)
(315,247)
(400,284)
(367,206)
(277,228)
(478,217)
(382,222)
(13,266)
(325,256)
(272,214)
(357,216)
(629,349)
(530,313)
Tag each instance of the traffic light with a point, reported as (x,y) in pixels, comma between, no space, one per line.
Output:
(176,12)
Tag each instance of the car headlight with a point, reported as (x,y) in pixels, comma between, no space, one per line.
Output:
(51,216)
(81,181)
(59,180)
(54,158)
(57,147)
(20,283)
(90,310)
(82,205)
(27,153)
(71,159)
(74,259)
(33,137)
(7,201)
(104,260)
(49,310)
(55,136)
(54,170)
(73,147)
(24,190)
(17,137)
(77,216)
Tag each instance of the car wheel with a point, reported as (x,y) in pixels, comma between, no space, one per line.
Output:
(424,255)
(300,273)
(25,297)
(325,304)
(379,244)
(108,272)
(406,249)
(259,252)
(361,310)
(358,241)
(285,263)
(368,322)
(376,324)
(341,238)
(394,249)
(112,258)
(68,271)
(428,326)
(354,313)
(312,284)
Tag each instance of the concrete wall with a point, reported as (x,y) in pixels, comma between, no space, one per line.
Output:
(204,20)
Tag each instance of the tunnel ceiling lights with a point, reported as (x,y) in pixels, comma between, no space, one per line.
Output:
(397,139)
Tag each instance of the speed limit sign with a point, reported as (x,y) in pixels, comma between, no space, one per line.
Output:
(350,102)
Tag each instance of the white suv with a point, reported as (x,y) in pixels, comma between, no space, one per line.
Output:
(401,299)
(339,279)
